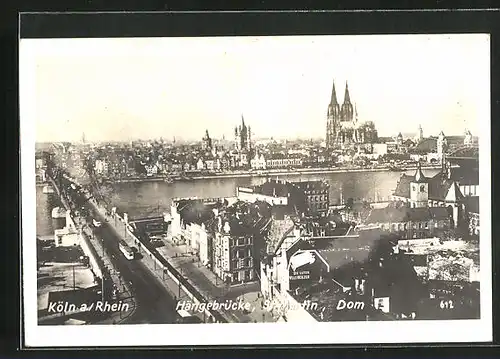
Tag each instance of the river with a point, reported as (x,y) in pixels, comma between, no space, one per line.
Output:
(45,202)
(142,199)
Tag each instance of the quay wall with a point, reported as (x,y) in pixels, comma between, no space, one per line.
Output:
(265,173)
(95,260)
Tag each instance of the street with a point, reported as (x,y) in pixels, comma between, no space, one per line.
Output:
(154,304)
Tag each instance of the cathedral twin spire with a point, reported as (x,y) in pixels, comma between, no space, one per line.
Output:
(347,97)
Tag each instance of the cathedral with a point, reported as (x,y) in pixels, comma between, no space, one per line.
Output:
(343,127)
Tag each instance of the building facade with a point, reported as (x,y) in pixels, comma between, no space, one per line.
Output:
(411,223)
(233,256)
(226,237)
(306,199)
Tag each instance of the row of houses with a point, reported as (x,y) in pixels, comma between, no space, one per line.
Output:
(226,234)
(368,276)
(230,235)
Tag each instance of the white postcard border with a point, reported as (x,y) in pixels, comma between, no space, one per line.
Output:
(479,330)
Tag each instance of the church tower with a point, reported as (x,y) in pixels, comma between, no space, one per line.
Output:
(206,143)
(347,109)
(441,146)
(419,189)
(468,141)
(333,117)
(236,139)
(420,134)
(243,134)
(249,138)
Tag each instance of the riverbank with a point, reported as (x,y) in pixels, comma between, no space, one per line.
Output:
(269,173)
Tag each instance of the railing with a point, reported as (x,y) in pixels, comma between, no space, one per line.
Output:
(168,269)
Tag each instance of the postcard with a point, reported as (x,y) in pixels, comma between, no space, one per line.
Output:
(256,190)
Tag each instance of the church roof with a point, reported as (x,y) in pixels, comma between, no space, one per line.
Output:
(419,176)
(440,187)
(465,176)
(472,204)
(403,186)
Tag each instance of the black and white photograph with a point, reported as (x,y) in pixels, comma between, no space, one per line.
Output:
(318,189)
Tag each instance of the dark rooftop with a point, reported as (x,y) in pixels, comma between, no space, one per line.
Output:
(396,279)
(438,186)
(281,188)
(273,188)
(246,218)
(405,214)
(196,210)
(471,204)
(465,176)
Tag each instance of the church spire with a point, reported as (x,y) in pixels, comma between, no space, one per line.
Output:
(347,98)
(242,121)
(333,100)
(419,176)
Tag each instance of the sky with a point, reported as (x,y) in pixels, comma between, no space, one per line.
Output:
(149,88)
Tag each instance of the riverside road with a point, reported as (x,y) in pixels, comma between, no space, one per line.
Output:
(154,304)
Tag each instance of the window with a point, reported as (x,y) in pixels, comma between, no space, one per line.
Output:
(422,188)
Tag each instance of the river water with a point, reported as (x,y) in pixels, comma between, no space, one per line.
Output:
(45,202)
(141,199)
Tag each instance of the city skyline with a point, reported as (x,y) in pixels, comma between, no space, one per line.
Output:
(281,85)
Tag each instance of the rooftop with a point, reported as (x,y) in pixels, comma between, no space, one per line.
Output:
(281,188)
(405,214)
(56,277)
(439,186)
(472,204)
(395,279)
(245,218)
(465,176)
